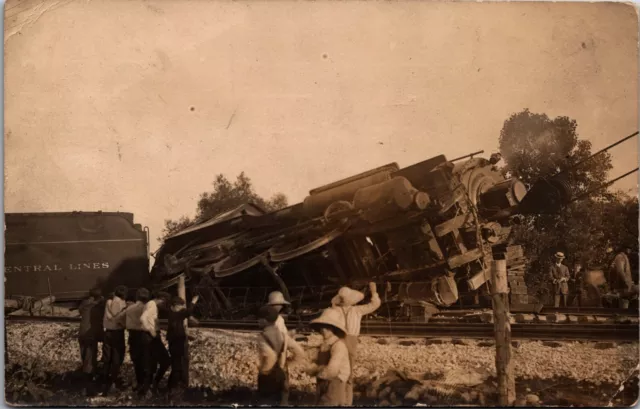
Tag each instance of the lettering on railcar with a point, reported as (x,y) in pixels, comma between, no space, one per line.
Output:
(36,268)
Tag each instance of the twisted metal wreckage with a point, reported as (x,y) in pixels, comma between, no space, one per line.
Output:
(428,231)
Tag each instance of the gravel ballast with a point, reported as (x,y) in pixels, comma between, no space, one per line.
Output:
(222,360)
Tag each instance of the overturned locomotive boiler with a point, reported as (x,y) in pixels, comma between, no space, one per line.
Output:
(424,231)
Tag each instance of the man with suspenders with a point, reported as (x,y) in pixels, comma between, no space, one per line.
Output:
(273,376)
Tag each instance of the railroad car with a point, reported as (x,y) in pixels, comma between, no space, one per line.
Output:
(425,233)
(66,254)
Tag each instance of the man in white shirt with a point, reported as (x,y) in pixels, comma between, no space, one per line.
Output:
(114,346)
(134,327)
(345,302)
(155,353)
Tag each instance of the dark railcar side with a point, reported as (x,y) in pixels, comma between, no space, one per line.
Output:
(68,253)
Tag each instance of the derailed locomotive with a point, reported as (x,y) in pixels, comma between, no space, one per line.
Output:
(425,232)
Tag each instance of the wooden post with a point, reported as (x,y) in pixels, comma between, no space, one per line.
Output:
(182,290)
(502,329)
(182,293)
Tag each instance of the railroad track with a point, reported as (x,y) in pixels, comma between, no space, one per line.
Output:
(564,331)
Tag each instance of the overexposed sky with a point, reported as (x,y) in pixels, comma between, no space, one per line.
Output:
(126,105)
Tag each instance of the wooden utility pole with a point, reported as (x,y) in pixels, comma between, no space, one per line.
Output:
(502,329)
(182,290)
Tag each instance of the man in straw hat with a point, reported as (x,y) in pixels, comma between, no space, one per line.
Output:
(345,302)
(332,367)
(277,301)
(559,274)
(273,376)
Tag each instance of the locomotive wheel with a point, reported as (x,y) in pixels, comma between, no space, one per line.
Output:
(234,264)
(337,207)
(289,251)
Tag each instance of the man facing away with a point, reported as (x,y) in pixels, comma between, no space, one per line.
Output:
(273,376)
(345,302)
(620,277)
(154,352)
(114,322)
(136,332)
(559,274)
(178,342)
(89,334)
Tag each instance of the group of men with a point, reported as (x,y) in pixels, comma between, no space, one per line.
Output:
(105,321)
(619,279)
(333,366)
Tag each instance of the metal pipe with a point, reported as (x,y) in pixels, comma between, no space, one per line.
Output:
(603,185)
(471,155)
(597,153)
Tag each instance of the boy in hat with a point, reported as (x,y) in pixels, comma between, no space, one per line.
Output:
(178,342)
(114,346)
(345,302)
(90,333)
(155,353)
(559,274)
(134,326)
(332,367)
(273,376)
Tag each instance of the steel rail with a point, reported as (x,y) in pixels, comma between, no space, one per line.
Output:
(556,331)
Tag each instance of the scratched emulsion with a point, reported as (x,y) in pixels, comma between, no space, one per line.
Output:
(137,105)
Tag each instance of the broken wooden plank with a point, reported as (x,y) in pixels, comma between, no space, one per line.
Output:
(462,259)
(452,224)
(477,280)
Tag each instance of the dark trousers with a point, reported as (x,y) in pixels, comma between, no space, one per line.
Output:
(179,351)
(136,354)
(273,388)
(156,360)
(114,350)
(89,355)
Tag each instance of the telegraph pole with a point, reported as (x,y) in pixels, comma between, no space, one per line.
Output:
(502,330)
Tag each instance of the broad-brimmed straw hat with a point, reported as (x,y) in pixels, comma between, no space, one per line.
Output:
(276,298)
(347,297)
(559,254)
(331,317)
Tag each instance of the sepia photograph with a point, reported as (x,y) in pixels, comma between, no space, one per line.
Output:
(320,203)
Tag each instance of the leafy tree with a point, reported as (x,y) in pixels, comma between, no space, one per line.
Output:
(534,146)
(224,197)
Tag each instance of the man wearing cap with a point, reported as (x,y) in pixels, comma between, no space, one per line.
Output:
(155,354)
(136,333)
(332,367)
(273,375)
(345,302)
(560,276)
(114,348)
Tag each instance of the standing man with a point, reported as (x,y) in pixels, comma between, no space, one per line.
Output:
(620,277)
(154,352)
(136,332)
(277,301)
(273,375)
(90,333)
(114,347)
(345,302)
(560,276)
(178,342)
(577,282)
